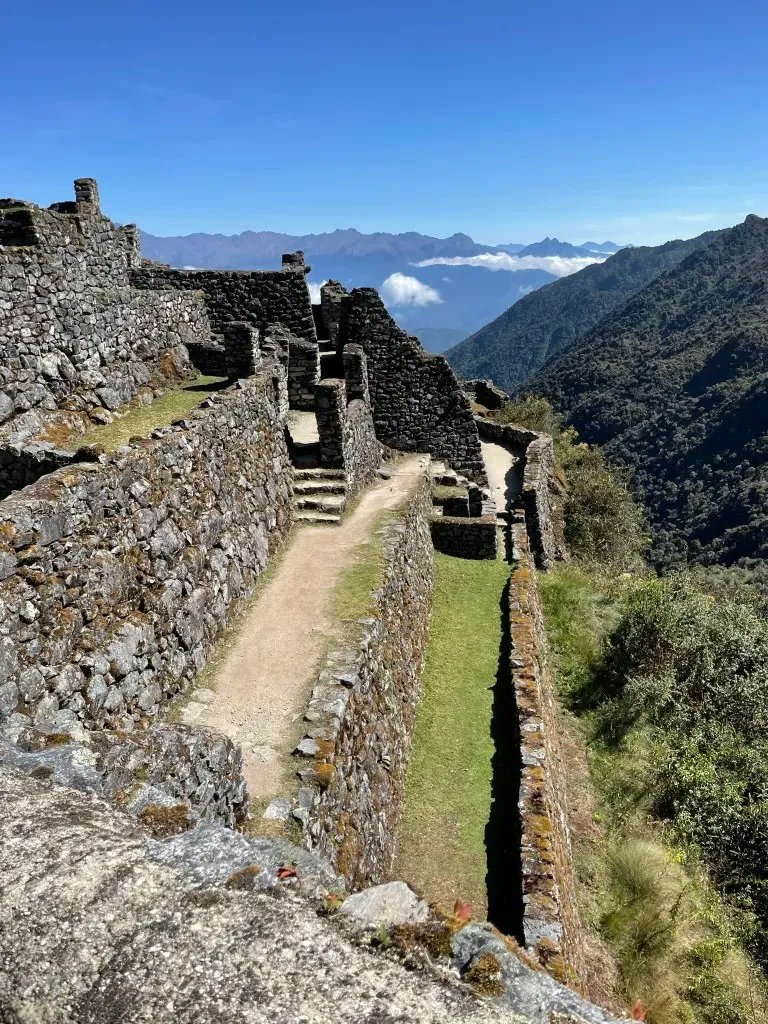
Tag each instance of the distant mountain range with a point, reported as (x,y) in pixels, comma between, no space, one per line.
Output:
(514,345)
(674,384)
(447,302)
(554,247)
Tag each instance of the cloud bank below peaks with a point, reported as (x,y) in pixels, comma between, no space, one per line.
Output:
(402,290)
(560,266)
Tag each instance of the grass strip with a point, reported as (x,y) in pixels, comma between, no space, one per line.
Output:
(441,843)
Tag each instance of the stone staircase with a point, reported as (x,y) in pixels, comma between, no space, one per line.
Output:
(319,495)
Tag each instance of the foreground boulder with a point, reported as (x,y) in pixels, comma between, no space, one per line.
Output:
(100,924)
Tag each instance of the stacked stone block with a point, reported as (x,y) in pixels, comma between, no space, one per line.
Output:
(241,349)
(116,577)
(332,296)
(417,403)
(303,370)
(361,714)
(465,537)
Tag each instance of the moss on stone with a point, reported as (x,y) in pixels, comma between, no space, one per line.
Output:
(484,976)
(244,878)
(164,821)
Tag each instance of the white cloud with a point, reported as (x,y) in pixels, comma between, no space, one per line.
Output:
(402,290)
(314,291)
(560,266)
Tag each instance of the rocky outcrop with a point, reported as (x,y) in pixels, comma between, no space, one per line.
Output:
(169,776)
(100,924)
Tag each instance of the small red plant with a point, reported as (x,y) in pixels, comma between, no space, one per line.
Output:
(638,1011)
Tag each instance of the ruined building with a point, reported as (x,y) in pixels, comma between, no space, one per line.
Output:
(130,890)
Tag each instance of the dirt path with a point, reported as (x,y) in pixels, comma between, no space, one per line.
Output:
(504,474)
(262,684)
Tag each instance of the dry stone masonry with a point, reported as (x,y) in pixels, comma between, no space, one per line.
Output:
(361,715)
(117,576)
(118,572)
(418,404)
(550,918)
(74,333)
(542,493)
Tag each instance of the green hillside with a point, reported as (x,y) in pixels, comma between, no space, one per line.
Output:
(542,323)
(674,385)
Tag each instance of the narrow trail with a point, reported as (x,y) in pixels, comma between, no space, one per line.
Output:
(505,475)
(261,686)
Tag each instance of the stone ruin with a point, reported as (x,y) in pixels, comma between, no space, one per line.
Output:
(118,573)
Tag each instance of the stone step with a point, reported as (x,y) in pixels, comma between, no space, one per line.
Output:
(310,518)
(329,486)
(318,473)
(321,503)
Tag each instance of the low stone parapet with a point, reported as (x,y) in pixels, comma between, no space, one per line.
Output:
(464,537)
(551,922)
(541,489)
(359,723)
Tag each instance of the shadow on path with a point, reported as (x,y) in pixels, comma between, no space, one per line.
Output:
(504,879)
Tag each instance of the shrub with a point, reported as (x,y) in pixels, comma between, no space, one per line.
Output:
(692,671)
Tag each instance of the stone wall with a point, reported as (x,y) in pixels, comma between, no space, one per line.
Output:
(464,537)
(303,369)
(23,462)
(551,921)
(169,776)
(542,495)
(418,405)
(361,715)
(485,393)
(345,423)
(259,297)
(117,576)
(73,333)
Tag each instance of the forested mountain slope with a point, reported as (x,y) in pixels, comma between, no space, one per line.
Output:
(514,345)
(674,385)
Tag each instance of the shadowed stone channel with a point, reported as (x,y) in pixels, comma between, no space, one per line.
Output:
(504,879)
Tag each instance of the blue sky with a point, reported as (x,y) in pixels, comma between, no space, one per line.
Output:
(509,121)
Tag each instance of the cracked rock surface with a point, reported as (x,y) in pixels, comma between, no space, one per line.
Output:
(100,925)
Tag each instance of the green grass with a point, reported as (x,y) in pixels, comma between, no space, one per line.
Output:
(444,492)
(353,594)
(141,420)
(441,843)
(671,943)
